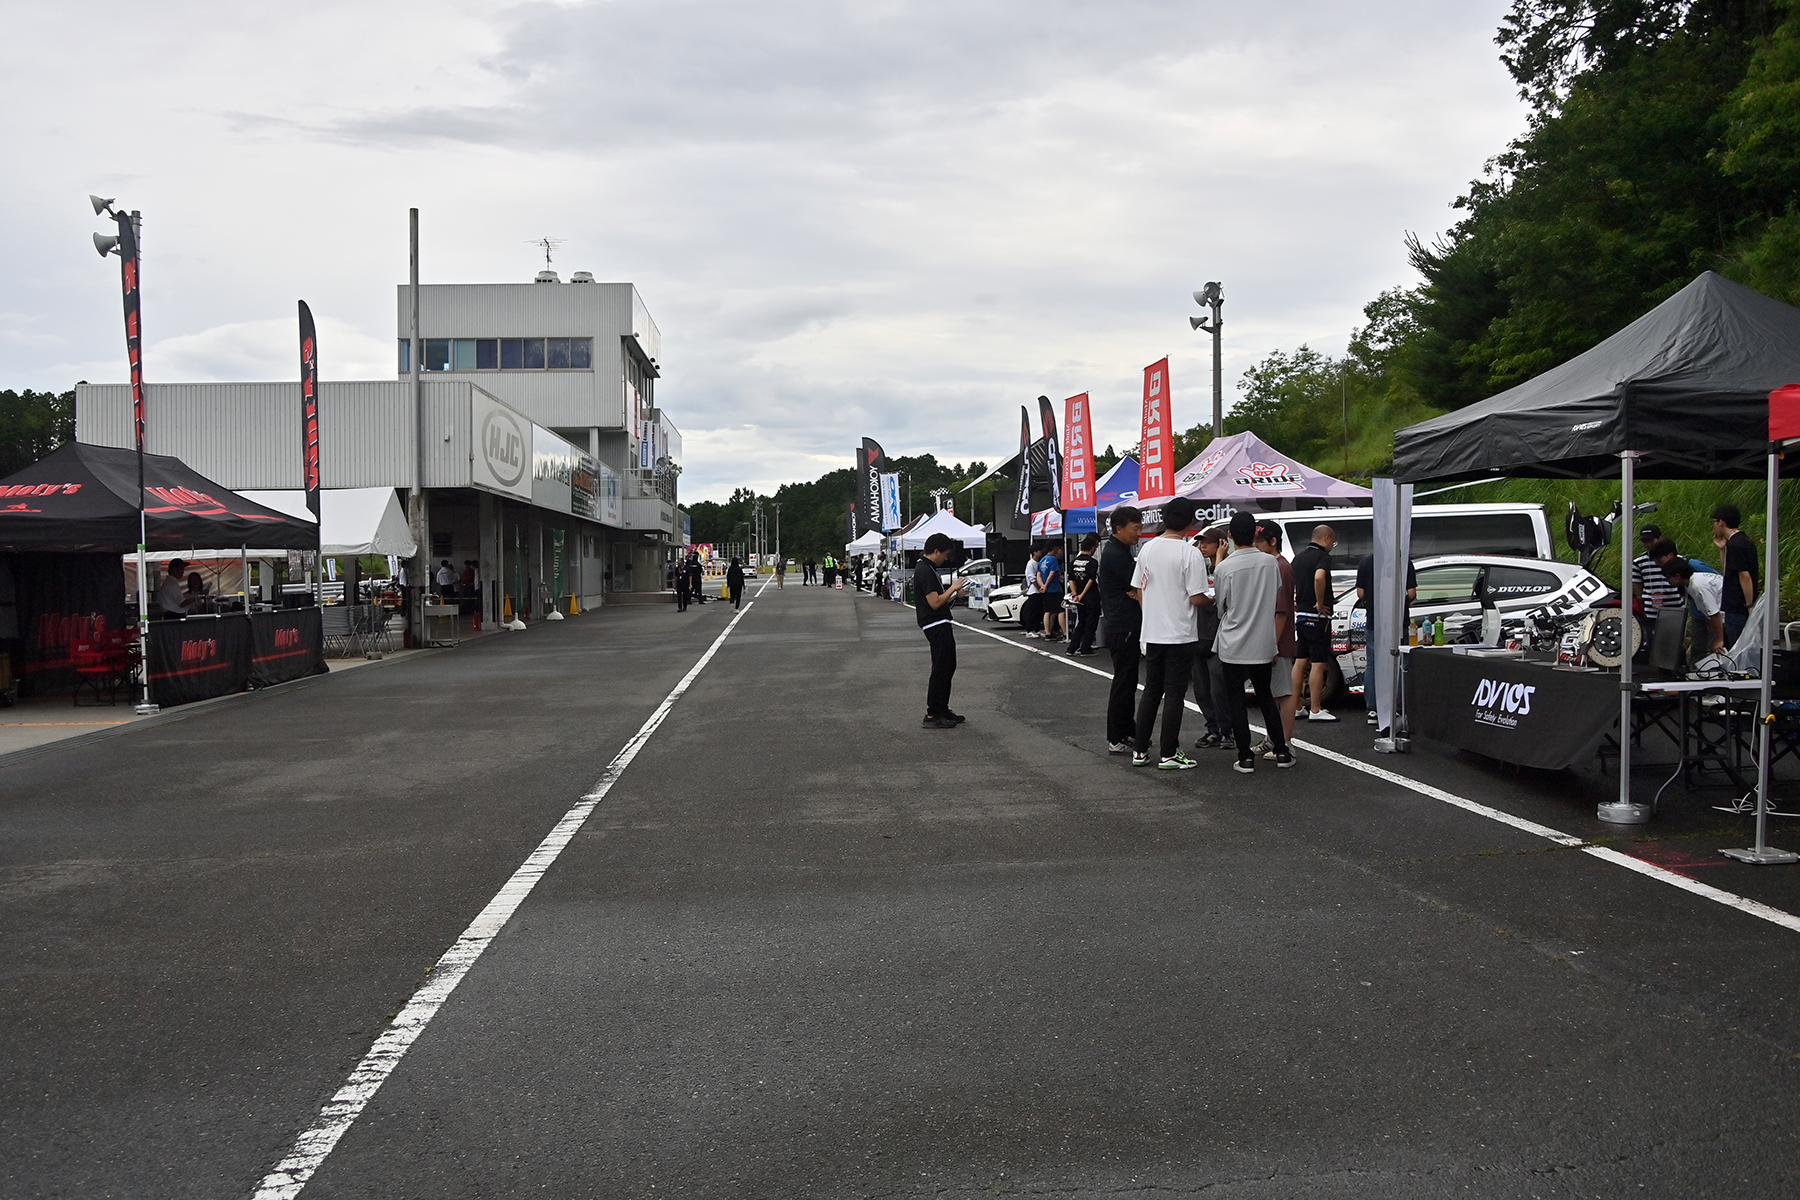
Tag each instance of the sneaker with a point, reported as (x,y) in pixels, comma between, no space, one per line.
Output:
(1284,761)
(1244,766)
(938,723)
(1263,747)
(1087,653)
(1208,741)
(1324,714)
(1118,747)
(956,717)
(1034,634)
(1373,717)
(1140,758)
(1177,762)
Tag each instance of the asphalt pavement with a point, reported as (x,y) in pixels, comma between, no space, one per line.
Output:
(804,947)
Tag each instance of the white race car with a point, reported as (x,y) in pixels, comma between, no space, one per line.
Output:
(1449,587)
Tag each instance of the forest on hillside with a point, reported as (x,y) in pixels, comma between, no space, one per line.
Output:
(1663,140)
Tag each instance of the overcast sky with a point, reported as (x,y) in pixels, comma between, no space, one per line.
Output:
(895,219)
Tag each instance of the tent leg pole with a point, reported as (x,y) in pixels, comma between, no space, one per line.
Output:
(1762,853)
(1624,811)
(144,708)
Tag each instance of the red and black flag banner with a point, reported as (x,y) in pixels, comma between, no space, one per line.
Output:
(309,409)
(1053,456)
(868,500)
(134,341)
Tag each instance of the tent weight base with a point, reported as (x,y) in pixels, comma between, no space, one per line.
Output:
(1616,813)
(147,710)
(1392,745)
(1768,856)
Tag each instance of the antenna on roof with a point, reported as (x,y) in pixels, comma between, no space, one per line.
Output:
(547,244)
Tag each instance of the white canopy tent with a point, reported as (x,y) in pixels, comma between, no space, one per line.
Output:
(868,543)
(972,537)
(356,521)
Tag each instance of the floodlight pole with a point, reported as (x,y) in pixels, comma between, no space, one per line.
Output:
(1212,296)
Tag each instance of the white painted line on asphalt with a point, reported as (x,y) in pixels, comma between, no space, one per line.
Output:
(341,1111)
(1649,870)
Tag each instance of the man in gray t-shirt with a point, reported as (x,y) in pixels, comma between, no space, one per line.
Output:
(1246,586)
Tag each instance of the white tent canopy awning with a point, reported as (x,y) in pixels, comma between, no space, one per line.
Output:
(972,537)
(356,520)
(868,543)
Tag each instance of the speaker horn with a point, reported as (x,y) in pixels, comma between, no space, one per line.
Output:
(105,243)
(1196,322)
(99,204)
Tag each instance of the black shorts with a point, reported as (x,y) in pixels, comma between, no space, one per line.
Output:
(1312,638)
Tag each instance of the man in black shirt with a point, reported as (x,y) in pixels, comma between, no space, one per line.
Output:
(931,603)
(1365,600)
(1084,590)
(1312,617)
(1740,569)
(1124,624)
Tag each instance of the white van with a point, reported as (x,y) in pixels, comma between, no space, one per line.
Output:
(1515,530)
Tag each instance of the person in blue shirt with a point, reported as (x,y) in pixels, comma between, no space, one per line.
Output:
(1050,582)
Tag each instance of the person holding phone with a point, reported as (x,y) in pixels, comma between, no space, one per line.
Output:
(931,603)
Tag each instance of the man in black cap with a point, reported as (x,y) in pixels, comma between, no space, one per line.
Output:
(1647,578)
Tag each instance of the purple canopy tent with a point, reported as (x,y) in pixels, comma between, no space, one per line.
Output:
(1244,472)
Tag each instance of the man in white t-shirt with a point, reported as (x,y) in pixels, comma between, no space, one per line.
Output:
(1169,581)
(1706,593)
(1248,587)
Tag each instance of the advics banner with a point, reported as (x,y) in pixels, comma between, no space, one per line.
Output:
(1513,711)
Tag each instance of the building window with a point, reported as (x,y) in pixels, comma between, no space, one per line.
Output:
(501,354)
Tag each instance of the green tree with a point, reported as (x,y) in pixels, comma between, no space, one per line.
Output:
(32,424)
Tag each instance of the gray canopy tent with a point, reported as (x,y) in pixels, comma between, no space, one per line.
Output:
(1680,393)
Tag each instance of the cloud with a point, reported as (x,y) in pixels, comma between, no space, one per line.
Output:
(270,350)
(896,219)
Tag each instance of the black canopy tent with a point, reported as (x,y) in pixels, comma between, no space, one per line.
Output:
(1680,393)
(84,499)
(67,520)
(1684,388)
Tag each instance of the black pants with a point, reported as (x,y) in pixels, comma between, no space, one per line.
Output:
(1209,689)
(1087,627)
(681,596)
(1168,667)
(1121,702)
(943,667)
(1258,676)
